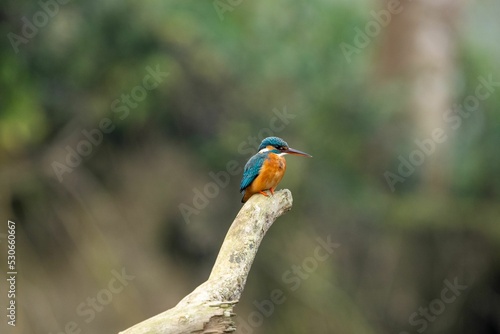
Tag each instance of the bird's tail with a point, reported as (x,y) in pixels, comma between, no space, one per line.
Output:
(244,198)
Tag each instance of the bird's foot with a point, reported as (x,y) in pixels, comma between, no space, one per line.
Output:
(263,192)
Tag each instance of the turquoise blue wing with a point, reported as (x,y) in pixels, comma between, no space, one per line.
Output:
(252,170)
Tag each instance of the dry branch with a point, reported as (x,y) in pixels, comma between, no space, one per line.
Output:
(209,308)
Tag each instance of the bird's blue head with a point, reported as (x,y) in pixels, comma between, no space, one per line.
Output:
(279,146)
(275,142)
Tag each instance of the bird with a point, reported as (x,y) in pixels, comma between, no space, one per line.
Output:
(265,169)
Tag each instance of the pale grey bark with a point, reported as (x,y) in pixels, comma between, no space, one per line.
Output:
(209,308)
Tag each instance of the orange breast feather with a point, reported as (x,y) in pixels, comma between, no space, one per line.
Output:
(270,175)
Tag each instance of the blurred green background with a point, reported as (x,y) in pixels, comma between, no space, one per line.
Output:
(362,86)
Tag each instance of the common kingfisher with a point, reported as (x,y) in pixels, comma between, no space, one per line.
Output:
(266,168)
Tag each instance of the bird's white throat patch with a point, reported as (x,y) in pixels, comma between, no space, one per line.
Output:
(265,149)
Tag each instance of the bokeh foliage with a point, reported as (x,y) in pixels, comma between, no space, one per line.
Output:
(228,77)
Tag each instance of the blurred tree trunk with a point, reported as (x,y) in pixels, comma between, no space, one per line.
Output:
(418,46)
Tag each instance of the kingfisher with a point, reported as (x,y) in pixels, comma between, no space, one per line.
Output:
(266,168)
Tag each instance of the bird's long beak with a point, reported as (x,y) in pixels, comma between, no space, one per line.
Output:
(297,152)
